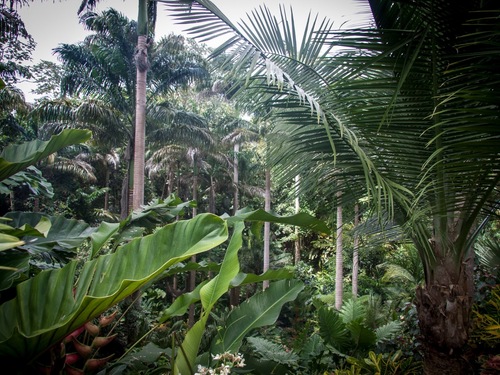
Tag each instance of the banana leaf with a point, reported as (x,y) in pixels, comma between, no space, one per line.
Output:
(15,158)
(52,304)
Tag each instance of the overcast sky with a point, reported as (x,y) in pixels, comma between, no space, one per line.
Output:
(52,22)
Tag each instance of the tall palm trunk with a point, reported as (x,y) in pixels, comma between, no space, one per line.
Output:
(192,274)
(339,261)
(106,183)
(142,66)
(297,209)
(236,202)
(267,226)
(211,196)
(355,254)
(234,294)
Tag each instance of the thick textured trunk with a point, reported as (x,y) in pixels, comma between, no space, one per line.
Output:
(444,307)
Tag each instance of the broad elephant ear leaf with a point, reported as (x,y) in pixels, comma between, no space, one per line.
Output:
(15,158)
(35,320)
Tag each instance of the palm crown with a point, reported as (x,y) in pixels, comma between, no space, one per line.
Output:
(405,111)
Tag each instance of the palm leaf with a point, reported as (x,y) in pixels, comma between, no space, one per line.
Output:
(283,80)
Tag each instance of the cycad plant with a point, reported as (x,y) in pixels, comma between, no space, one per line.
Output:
(406,110)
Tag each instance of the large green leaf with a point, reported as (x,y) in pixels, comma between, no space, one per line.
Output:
(303,220)
(32,178)
(63,233)
(260,310)
(210,294)
(51,305)
(15,158)
(229,276)
(13,266)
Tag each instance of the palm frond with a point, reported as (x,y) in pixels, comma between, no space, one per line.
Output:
(74,166)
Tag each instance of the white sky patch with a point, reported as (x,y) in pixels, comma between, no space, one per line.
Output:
(53,22)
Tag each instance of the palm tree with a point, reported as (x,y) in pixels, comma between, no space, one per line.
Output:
(144,29)
(355,253)
(408,111)
(104,68)
(339,259)
(142,66)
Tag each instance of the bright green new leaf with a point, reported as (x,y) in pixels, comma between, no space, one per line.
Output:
(9,242)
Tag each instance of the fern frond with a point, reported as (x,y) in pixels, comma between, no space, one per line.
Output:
(387,331)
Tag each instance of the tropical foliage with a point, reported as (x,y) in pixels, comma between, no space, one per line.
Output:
(397,104)
(379,144)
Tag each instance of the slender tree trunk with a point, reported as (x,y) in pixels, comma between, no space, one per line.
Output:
(12,199)
(211,196)
(192,274)
(355,254)
(236,201)
(297,233)
(142,66)
(444,307)
(339,274)
(170,181)
(106,194)
(127,185)
(267,226)
(234,293)
(36,205)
